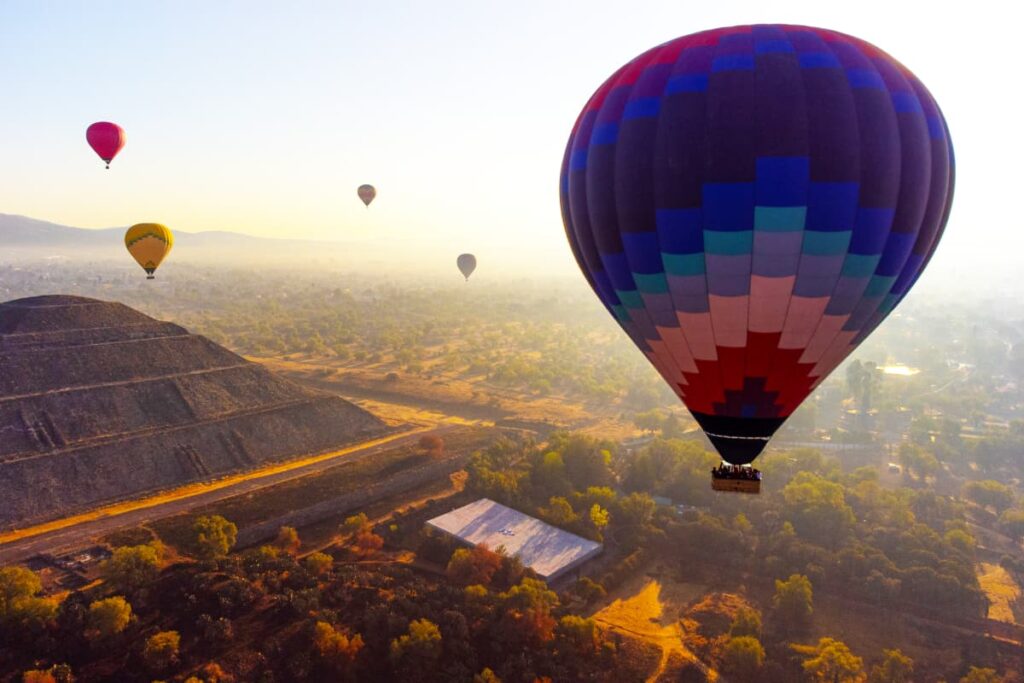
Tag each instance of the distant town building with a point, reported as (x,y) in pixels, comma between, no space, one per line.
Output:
(546,549)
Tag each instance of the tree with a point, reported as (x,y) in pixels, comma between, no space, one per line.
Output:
(989,493)
(16,583)
(961,540)
(742,524)
(108,617)
(366,542)
(210,673)
(559,512)
(354,524)
(287,541)
(161,650)
(916,459)
(431,445)
(794,602)
(649,421)
(21,611)
(579,633)
(1012,522)
(38,676)
(747,622)
(58,673)
(599,517)
(832,662)
(338,649)
(602,495)
(818,509)
(217,632)
(531,594)
(979,675)
(637,508)
(589,590)
(586,462)
(214,536)
(477,566)
(420,646)
(894,668)
(486,676)
(318,563)
(743,658)
(131,567)
(548,473)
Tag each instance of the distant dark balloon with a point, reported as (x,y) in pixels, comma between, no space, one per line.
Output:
(106,139)
(749,203)
(367,193)
(466,264)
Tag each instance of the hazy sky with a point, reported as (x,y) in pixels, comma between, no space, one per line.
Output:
(263,117)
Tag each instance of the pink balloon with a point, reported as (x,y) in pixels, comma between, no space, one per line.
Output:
(106,139)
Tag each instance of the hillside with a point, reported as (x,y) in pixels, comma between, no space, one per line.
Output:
(99,402)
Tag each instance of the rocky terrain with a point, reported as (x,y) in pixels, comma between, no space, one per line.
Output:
(99,402)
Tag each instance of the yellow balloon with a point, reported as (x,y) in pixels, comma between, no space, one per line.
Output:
(149,243)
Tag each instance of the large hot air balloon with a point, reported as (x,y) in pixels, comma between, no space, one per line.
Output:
(466,264)
(106,139)
(367,193)
(749,203)
(149,243)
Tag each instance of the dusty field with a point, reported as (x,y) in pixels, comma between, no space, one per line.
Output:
(647,609)
(399,414)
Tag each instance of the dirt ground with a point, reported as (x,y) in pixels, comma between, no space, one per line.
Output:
(647,609)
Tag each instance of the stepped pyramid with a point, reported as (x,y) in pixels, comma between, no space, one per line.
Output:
(99,402)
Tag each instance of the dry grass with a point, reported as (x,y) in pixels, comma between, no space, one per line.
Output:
(396,413)
(1001,590)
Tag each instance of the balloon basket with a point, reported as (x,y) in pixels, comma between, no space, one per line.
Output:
(736,485)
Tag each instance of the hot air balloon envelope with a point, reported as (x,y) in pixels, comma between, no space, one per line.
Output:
(466,264)
(749,203)
(367,193)
(149,244)
(106,139)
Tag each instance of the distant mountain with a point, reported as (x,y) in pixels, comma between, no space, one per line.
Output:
(25,237)
(21,231)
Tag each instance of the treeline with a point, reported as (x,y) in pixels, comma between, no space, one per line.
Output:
(363,610)
(271,615)
(841,532)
